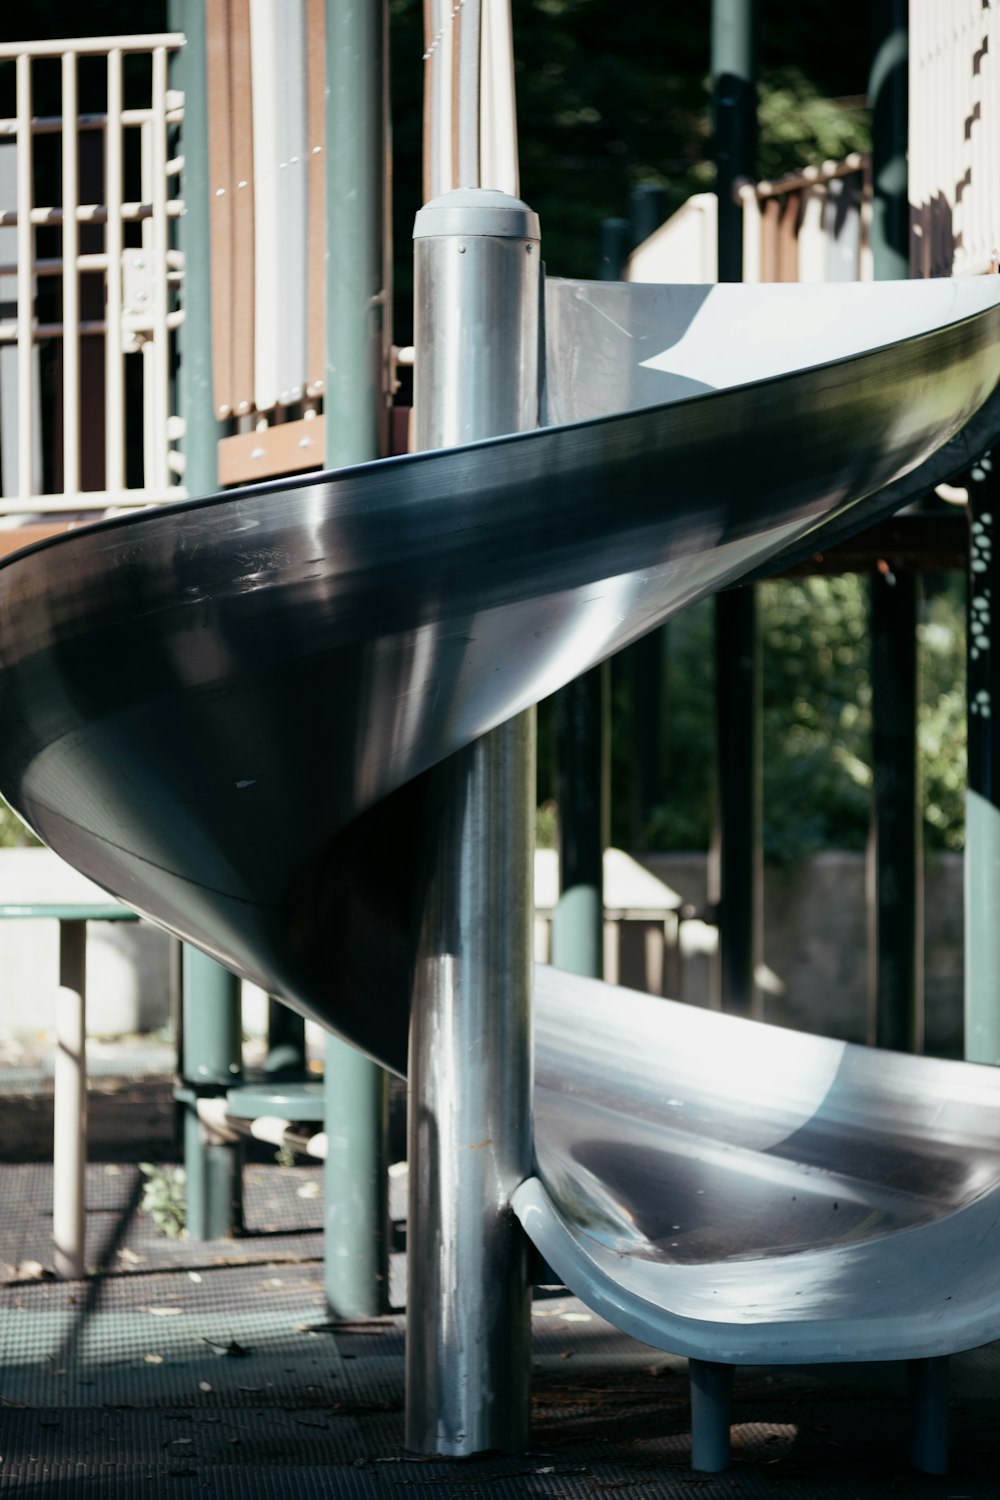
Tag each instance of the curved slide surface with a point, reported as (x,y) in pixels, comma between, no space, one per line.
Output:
(222,711)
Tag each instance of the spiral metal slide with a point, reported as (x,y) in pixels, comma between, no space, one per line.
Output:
(222,712)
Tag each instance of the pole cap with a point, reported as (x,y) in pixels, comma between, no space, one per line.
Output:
(476,211)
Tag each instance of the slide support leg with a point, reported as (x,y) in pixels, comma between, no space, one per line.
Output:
(929,1415)
(711,1415)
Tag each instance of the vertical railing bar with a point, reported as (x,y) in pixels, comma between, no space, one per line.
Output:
(161,343)
(25,261)
(70,279)
(149,467)
(114,383)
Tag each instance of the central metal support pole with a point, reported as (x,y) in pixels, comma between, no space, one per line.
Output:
(468,1349)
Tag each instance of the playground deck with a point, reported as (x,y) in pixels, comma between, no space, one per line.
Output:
(123,1384)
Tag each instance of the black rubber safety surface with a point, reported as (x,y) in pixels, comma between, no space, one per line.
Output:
(213,1369)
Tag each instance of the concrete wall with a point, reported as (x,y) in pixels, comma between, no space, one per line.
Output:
(815,972)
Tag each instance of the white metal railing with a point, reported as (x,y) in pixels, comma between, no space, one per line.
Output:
(954,181)
(89,281)
(812,225)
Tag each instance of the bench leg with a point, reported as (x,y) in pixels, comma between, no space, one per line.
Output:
(69,1153)
(929,1414)
(711,1414)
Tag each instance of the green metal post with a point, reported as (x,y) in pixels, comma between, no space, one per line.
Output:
(982,800)
(286,1041)
(736,844)
(889,100)
(895,918)
(211,1053)
(194,337)
(734,109)
(211,1064)
(357,312)
(582,730)
(649,210)
(895,927)
(649,655)
(582,739)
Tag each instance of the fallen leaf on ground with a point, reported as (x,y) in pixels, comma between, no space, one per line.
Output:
(232,1348)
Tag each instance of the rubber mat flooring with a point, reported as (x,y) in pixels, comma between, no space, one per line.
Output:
(181,1369)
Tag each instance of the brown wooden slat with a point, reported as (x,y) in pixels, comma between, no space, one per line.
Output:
(243,206)
(220,186)
(286,448)
(770,219)
(316,246)
(788,239)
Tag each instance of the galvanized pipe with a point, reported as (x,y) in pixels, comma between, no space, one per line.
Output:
(470,1059)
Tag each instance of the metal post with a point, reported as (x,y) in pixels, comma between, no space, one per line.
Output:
(648,655)
(356,1091)
(649,210)
(736,843)
(69,1155)
(982,798)
(581,723)
(212,1062)
(928,1379)
(614,245)
(211,995)
(894,906)
(194,337)
(888,95)
(734,109)
(286,1041)
(711,1414)
(468,1355)
(894,894)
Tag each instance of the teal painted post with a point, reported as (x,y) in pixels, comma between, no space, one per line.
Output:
(357,312)
(286,1042)
(194,337)
(737,838)
(582,726)
(888,96)
(582,779)
(211,1056)
(982,799)
(895,858)
(212,1062)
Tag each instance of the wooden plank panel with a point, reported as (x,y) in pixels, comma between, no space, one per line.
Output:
(243,206)
(285,448)
(267,226)
(291,145)
(769,223)
(788,244)
(316,213)
(220,179)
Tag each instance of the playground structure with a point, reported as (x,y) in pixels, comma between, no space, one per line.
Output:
(329,653)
